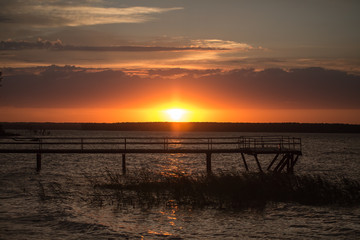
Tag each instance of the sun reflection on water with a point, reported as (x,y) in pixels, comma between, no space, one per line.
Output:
(174,166)
(169,219)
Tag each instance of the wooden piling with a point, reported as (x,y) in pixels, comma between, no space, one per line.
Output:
(273,161)
(245,164)
(285,163)
(208,162)
(276,169)
(123,164)
(289,163)
(38,162)
(294,162)
(258,163)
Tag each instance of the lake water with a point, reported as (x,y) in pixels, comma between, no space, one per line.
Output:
(52,204)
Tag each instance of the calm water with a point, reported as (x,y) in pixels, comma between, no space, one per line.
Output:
(51,205)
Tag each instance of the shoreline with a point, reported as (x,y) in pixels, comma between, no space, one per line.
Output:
(189,127)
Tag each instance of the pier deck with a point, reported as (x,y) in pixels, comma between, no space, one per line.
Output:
(286,150)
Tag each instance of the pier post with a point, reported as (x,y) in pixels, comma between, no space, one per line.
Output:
(123,164)
(286,161)
(208,163)
(273,161)
(289,163)
(258,163)
(276,169)
(294,162)
(245,164)
(38,162)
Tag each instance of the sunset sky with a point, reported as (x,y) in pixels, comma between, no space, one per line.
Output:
(180,60)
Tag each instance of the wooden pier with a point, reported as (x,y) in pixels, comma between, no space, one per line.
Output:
(285,150)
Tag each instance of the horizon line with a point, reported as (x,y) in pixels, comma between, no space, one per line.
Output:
(330,123)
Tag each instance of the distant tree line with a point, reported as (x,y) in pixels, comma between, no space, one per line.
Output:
(192,127)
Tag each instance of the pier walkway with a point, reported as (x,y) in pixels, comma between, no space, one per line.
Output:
(286,150)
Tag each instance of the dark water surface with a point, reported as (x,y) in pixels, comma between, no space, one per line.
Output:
(53,204)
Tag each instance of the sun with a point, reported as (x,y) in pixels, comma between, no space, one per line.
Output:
(176,114)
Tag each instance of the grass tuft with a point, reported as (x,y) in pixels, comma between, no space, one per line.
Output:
(223,190)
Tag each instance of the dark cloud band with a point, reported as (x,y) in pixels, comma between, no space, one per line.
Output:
(58,45)
(307,88)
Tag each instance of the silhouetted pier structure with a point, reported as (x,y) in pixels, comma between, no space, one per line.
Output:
(286,150)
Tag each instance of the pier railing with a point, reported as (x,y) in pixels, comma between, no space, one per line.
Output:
(286,149)
(280,143)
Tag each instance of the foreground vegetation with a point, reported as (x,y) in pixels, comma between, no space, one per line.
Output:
(224,190)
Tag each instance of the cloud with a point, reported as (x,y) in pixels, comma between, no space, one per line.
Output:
(247,60)
(156,53)
(62,87)
(60,13)
(218,43)
(58,45)
(39,44)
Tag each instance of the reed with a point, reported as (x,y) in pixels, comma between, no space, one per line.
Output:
(223,190)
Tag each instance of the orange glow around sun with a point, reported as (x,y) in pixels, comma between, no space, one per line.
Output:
(190,114)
